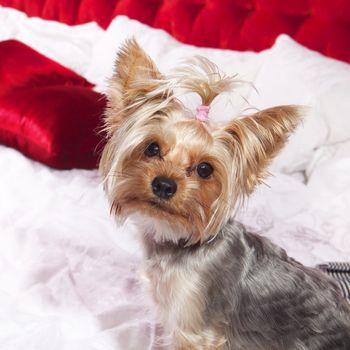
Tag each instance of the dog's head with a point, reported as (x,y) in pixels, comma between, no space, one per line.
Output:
(182,175)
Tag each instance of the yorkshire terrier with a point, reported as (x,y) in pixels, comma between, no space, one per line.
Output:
(180,177)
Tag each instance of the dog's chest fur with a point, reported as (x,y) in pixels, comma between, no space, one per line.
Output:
(178,289)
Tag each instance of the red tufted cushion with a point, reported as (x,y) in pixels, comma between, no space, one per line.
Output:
(55,125)
(47,111)
(322,25)
(21,66)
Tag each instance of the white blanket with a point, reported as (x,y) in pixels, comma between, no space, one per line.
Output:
(69,278)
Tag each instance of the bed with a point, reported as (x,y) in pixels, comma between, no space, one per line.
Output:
(69,277)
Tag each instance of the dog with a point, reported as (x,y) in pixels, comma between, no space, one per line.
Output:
(180,177)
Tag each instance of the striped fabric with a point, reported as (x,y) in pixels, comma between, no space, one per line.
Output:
(340,271)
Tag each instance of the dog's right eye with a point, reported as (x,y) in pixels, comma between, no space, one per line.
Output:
(204,170)
(152,150)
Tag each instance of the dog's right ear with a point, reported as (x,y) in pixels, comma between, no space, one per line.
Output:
(255,140)
(135,75)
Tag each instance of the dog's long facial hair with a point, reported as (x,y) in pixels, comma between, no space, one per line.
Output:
(180,179)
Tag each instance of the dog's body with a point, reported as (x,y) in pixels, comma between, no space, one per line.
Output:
(244,293)
(216,286)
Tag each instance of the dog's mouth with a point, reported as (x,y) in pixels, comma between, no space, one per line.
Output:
(155,208)
(159,205)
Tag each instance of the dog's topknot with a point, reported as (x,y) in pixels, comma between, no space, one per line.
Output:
(201,76)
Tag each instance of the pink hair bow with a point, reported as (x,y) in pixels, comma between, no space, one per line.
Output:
(202,112)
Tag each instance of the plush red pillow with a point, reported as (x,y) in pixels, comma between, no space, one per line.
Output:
(47,111)
(21,66)
(56,125)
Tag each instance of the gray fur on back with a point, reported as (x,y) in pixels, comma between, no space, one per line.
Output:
(261,298)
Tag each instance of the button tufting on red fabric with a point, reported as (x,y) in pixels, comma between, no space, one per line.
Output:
(322,25)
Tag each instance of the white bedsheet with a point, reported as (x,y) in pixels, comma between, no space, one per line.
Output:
(69,278)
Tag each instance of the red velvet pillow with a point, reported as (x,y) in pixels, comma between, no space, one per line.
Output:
(21,66)
(47,111)
(56,125)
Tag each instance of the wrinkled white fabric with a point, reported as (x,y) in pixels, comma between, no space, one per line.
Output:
(293,74)
(72,46)
(70,279)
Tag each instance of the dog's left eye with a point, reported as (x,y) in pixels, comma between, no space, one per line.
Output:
(152,150)
(204,170)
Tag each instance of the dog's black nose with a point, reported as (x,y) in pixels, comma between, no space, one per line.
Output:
(164,187)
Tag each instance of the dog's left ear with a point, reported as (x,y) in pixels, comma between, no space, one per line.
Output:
(256,140)
(135,75)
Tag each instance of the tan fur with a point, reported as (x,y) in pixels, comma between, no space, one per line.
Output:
(203,77)
(260,137)
(143,109)
(181,303)
(133,66)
